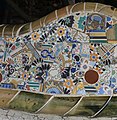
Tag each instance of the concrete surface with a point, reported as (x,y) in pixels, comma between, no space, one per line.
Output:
(18,115)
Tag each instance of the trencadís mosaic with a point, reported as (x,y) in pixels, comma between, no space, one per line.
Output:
(76,54)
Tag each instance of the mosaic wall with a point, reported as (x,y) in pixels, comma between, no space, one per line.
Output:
(76,54)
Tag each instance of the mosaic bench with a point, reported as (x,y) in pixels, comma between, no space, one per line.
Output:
(64,63)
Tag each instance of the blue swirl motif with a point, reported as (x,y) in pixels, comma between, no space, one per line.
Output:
(70,39)
(46,53)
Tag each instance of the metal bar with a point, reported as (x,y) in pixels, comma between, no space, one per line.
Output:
(14,97)
(78,102)
(102,108)
(3,30)
(44,104)
(19,29)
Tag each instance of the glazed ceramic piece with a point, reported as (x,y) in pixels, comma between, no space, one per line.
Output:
(64,63)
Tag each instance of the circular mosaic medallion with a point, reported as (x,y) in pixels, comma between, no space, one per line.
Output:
(53,90)
(91,76)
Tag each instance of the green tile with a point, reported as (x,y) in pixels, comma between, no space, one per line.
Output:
(29,102)
(60,105)
(111,109)
(89,106)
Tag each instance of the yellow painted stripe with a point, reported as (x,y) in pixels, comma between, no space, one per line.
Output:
(98,34)
(112,41)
